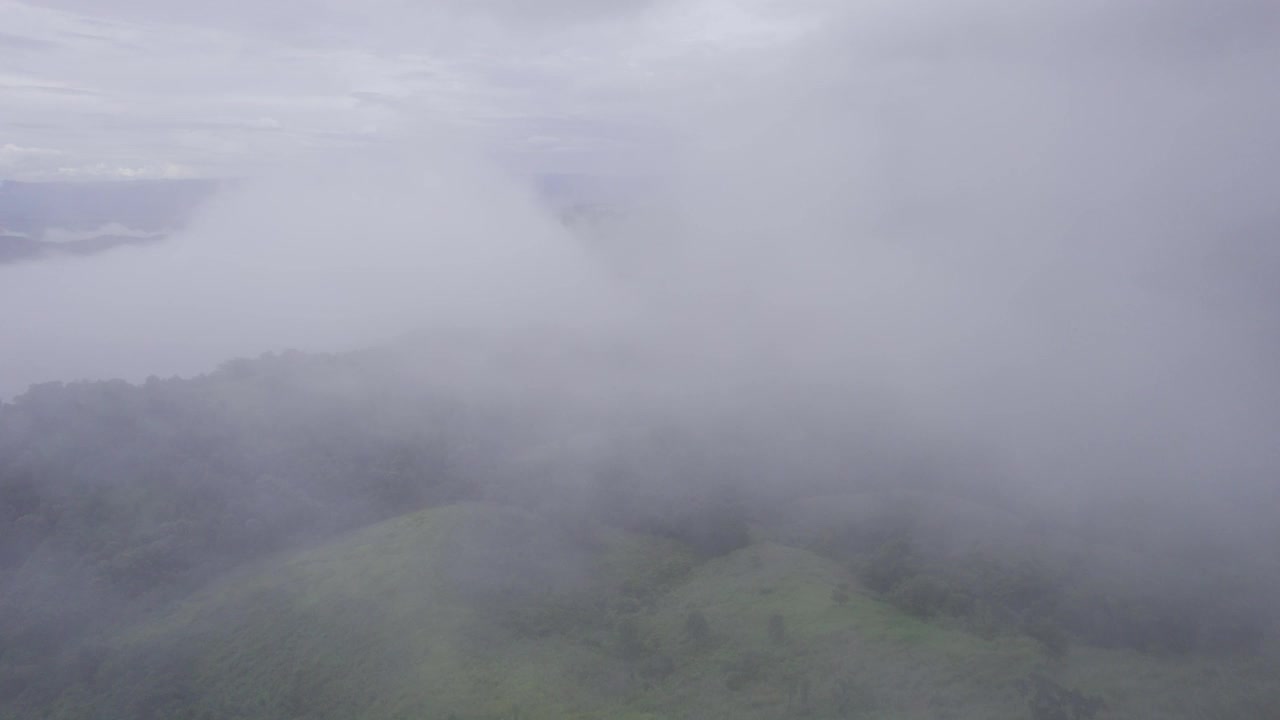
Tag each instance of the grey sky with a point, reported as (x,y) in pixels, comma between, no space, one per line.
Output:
(146,88)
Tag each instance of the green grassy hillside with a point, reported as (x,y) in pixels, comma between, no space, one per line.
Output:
(479,611)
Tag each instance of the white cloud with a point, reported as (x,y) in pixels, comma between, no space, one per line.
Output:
(19,159)
(105,171)
(13,153)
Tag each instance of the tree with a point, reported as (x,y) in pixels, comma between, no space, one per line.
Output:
(777,629)
(1048,700)
(696,629)
(840,595)
(922,596)
(892,563)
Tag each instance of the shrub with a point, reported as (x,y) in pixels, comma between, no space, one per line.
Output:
(922,596)
(1050,636)
(890,565)
(849,696)
(656,668)
(840,595)
(777,629)
(1048,700)
(696,629)
(742,671)
(631,646)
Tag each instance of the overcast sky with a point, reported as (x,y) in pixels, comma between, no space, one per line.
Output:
(155,88)
(147,88)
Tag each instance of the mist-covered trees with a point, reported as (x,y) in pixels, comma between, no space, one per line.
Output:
(697,631)
(114,497)
(117,499)
(990,594)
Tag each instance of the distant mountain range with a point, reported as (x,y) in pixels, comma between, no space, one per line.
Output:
(81,218)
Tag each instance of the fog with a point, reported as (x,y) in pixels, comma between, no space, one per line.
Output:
(1041,237)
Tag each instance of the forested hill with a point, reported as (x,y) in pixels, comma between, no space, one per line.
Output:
(119,501)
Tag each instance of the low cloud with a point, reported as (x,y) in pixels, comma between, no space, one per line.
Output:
(1040,234)
(105,171)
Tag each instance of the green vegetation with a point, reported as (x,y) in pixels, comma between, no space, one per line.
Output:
(293,538)
(417,618)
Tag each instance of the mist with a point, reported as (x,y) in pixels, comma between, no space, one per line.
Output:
(1041,231)
(959,246)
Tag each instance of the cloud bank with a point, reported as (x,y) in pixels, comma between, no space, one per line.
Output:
(1045,234)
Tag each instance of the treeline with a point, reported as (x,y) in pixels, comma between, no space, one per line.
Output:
(989,594)
(117,498)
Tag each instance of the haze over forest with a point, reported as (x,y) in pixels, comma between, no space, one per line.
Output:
(603,335)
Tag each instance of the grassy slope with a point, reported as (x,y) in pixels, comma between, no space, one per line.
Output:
(483,612)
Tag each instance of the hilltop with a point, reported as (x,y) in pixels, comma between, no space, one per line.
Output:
(446,528)
(484,611)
